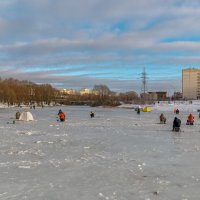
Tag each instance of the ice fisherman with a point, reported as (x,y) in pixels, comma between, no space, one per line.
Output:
(177,111)
(162,119)
(61,115)
(190,119)
(17,115)
(138,111)
(91,114)
(176,124)
(174,110)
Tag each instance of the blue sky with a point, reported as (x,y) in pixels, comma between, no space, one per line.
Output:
(76,44)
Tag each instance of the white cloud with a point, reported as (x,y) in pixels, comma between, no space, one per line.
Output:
(80,34)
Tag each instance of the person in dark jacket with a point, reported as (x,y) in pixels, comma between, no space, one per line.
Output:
(176,124)
(91,114)
(17,115)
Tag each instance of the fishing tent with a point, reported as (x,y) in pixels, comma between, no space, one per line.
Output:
(146,109)
(26,116)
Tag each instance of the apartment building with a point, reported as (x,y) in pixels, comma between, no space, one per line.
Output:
(152,96)
(85,91)
(191,83)
(177,96)
(68,91)
(155,96)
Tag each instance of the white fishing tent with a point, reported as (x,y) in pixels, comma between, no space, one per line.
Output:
(26,116)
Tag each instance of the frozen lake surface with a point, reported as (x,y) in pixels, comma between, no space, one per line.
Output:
(118,155)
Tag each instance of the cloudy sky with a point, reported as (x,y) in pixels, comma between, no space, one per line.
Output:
(80,43)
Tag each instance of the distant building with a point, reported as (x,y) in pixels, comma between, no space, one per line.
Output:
(144,96)
(152,96)
(191,83)
(95,92)
(68,91)
(162,96)
(85,91)
(177,96)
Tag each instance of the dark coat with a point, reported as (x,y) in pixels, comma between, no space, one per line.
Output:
(17,115)
(177,122)
(91,114)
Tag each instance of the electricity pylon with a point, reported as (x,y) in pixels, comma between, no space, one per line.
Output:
(144,82)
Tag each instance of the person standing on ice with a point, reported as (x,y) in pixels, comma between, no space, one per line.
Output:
(91,114)
(176,124)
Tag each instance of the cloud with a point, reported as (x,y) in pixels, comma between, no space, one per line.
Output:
(81,43)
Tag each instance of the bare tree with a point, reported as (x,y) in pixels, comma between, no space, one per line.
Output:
(102,90)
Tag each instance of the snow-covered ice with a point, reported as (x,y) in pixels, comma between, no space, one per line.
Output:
(117,155)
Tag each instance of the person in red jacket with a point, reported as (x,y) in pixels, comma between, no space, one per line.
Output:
(61,115)
(190,120)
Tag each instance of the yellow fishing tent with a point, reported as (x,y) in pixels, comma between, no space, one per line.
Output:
(146,109)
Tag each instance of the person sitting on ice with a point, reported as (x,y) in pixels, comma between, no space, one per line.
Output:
(162,119)
(174,110)
(61,115)
(176,124)
(91,114)
(190,120)
(17,115)
(138,110)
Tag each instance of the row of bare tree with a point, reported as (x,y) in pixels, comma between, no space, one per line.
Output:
(15,92)
(102,96)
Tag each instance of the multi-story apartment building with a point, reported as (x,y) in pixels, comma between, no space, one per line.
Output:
(154,96)
(68,91)
(88,91)
(177,96)
(191,83)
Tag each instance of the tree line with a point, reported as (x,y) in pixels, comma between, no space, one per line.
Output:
(15,92)
(102,96)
